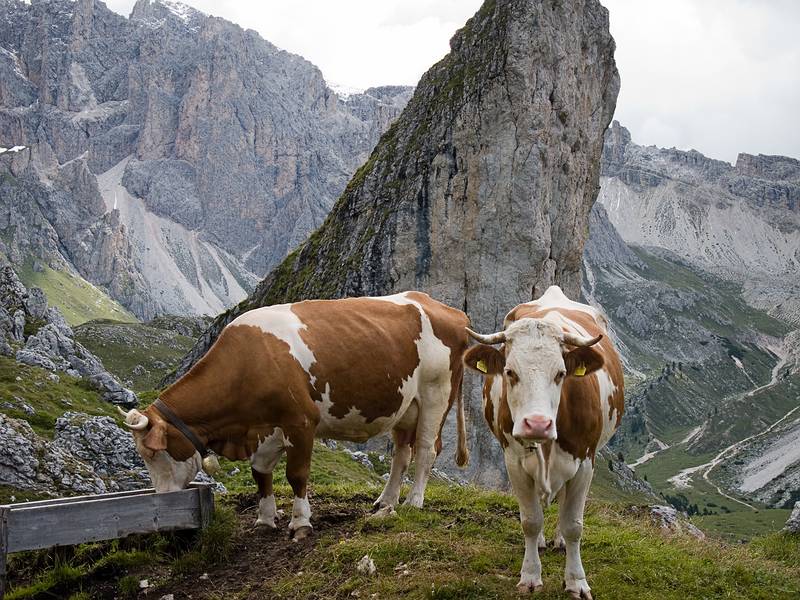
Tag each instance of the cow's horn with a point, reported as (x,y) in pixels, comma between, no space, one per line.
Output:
(581,341)
(134,419)
(492,338)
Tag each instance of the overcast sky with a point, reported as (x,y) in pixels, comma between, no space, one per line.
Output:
(720,76)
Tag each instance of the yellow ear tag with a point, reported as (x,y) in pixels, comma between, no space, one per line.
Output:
(481,366)
(580,370)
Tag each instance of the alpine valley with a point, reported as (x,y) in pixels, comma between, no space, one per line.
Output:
(162,172)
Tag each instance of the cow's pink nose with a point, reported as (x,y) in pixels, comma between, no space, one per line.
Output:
(537,427)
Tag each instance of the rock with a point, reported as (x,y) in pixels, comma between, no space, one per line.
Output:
(53,348)
(366,566)
(488,176)
(669,519)
(18,331)
(360,457)
(36,304)
(95,96)
(793,524)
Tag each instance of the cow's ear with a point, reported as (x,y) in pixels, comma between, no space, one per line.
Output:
(487,360)
(156,438)
(582,361)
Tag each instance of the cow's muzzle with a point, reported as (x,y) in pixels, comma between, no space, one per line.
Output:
(536,428)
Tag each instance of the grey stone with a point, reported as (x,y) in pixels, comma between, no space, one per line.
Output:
(501,131)
(90,92)
(793,523)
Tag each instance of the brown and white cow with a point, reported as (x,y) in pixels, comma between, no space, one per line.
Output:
(553,396)
(279,376)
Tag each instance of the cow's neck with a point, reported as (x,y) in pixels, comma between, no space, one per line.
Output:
(206,401)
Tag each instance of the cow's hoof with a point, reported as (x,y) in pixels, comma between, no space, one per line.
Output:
(529,587)
(415,501)
(300,533)
(578,589)
(383,511)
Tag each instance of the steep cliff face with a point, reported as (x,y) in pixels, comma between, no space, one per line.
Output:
(218,151)
(740,222)
(480,192)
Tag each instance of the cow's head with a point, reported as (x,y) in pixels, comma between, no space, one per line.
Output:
(535,358)
(172,461)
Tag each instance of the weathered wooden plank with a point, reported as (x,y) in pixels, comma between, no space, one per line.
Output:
(3,548)
(206,497)
(101,518)
(72,499)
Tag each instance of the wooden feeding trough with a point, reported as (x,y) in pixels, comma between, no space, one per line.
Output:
(68,521)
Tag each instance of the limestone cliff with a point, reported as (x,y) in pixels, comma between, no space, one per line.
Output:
(171,157)
(480,192)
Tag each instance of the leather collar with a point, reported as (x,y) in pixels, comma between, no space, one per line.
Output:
(176,422)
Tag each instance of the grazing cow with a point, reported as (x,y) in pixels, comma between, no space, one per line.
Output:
(553,396)
(279,376)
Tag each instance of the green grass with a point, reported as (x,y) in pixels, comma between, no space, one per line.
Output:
(77,299)
(48,398)
(467,543)
(124,346)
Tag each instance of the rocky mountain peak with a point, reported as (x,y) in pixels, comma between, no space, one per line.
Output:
(219,151)
(772,168)
(480,192)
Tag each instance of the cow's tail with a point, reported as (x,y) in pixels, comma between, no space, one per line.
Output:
(462,452)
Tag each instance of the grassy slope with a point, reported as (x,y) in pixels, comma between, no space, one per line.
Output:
(466,543)
(716,387)
(122,346)
(77,299)
(48,398)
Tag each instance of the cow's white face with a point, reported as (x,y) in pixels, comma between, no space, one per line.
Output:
(534,372)
(167,473)
(534,361)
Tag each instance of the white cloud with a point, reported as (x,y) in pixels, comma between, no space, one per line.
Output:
(720,76)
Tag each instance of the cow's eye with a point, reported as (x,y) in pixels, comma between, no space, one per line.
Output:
(560,376)
(512,376)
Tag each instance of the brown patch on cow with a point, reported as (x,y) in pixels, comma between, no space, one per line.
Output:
(364,377)
(492,358)
(246,384)
(580,419)
(449,326)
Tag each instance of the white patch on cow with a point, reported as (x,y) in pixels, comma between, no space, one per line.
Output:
(301,514)
(555,298)
(267,511)
(269,451)
(284,324)
(607,390)
(166,473)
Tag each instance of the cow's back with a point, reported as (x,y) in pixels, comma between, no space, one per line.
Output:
(363,358)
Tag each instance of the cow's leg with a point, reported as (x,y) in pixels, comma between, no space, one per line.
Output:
(432,409)
(262,463)
(401,457)
(298,467)
(531,516)
(558,539)
(570,518)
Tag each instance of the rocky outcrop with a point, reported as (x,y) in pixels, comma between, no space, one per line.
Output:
(38,335)
(480,192)
(170,157)
(793,523)
(668,519)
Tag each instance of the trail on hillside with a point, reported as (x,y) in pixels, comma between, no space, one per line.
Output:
(684,477)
